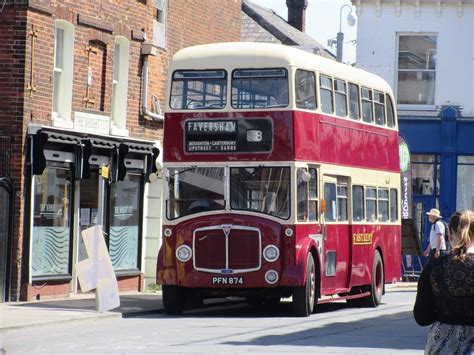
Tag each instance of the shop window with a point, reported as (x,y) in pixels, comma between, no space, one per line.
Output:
(305,89)
(51,233)
(159,23)
(465,183)
(124,223)
(63,71)
(120,86)
(416,69)
(354,102)
(425,171)
(358,203)
(326,93)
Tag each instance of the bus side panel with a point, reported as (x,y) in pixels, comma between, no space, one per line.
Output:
(334,140)
(365,239)
(392,256)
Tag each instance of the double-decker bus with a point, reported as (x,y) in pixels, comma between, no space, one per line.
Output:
(281,179)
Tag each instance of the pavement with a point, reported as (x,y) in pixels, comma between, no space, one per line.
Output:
(17,315)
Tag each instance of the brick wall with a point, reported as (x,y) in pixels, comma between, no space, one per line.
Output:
(12,67)
(24,64)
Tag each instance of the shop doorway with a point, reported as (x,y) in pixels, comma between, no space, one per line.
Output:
(92,207)
(6,207)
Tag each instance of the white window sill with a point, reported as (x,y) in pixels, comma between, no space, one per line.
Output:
(115,131)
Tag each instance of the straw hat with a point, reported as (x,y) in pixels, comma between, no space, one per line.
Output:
(434,212)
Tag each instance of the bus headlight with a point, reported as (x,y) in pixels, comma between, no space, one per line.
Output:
(168,232)
(271,276)
(271,253)
(184,253)
(289,232)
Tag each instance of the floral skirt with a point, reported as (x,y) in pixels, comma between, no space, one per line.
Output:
(450,339)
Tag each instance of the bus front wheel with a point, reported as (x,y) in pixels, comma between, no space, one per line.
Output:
(304,297)
(173,299)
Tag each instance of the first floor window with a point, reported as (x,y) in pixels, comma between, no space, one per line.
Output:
(416,69)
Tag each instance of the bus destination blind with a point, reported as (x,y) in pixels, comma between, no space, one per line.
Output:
(228,136)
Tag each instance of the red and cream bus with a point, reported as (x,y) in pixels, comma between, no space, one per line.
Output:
(281,179)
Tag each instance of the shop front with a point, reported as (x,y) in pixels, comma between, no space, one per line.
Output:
(76,181)
(442,161)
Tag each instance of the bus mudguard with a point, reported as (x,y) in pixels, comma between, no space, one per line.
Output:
(295,274)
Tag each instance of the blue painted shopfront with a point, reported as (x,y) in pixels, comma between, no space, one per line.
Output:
(437,145)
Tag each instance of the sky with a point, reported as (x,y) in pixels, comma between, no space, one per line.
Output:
(322,22)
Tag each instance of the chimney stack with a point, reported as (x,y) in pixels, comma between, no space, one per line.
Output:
(296,13)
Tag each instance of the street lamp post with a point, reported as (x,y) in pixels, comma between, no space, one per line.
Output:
(340,34)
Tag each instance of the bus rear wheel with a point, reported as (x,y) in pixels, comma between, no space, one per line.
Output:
(173,299)
(376,288)
(304,297)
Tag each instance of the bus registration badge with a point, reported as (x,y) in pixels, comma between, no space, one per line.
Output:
(227,280)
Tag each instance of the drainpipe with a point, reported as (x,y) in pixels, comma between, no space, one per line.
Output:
(146,50)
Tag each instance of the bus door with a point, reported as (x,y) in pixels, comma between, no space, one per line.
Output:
(337,237)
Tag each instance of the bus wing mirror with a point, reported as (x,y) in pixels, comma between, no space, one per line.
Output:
(305,176)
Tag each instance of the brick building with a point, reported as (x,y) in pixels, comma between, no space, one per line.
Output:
(80,130)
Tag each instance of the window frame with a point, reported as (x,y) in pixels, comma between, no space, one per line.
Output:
(369,199)
(405,106)
(327,89)
(359,115)
(369,99)
(311,75)
(377,96)
(120,74)
(340,93)
(385,200)
(362,201)
(235,103)
(61,98)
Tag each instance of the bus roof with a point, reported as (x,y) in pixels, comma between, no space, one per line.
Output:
(233,55)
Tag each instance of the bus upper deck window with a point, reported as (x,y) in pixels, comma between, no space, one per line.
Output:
(390,112)
(379,108)
(354,104)
(305,89)
(367,111)
(198,90)
(260,88)
(326,93)
(340,90)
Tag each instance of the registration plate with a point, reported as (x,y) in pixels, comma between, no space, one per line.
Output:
(227,280)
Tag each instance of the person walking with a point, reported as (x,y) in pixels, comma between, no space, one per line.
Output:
(445,294)
(437,243)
